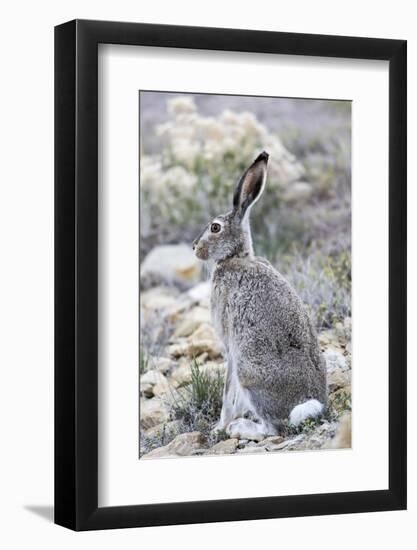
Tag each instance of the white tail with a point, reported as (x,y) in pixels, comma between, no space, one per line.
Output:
(309,409)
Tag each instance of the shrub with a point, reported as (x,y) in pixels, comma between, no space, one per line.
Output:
(323,282)
(154,336)
(200,160)
(198,405)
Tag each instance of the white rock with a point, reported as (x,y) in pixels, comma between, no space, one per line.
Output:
(200,292)
(172,263)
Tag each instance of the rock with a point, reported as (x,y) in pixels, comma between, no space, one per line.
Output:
(165,302)
(176,312)
(225,447)
(194,348)
(288,443)
(163,364)
(339,337)
(152,383)
(152,412)
(271,442)
(343,437)
(197,315)
(200,292)
(157,298)
(162,388)
(204,332)
(186,328)
(338,374)
(159,429)
(185,444)
(337,379)
(170,264)
(181,375)
(203,340)
(329,338)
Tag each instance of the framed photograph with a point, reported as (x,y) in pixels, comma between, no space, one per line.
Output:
(230,255)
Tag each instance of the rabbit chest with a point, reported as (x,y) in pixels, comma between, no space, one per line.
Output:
(226,298)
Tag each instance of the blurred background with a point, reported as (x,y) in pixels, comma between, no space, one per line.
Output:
(193,149)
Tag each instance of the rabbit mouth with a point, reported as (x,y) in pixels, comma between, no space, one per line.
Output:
(201,252)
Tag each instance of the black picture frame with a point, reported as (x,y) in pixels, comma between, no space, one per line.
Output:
(76,272)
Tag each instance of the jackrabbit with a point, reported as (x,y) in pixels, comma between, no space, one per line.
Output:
(275,370)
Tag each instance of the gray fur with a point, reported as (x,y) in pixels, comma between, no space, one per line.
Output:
(273,358)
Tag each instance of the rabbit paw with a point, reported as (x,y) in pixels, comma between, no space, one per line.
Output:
(244,428)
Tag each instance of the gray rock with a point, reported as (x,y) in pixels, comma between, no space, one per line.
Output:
(171,264)
(228,446)
(183,445)
(271,443)
(181,375)
(166,427)
(152,412)
(338,373)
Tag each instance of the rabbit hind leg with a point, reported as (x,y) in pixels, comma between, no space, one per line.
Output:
(237,402)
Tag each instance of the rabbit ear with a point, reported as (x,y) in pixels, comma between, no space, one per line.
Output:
(250,186)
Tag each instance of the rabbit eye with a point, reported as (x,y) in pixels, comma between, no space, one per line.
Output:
(215,227)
